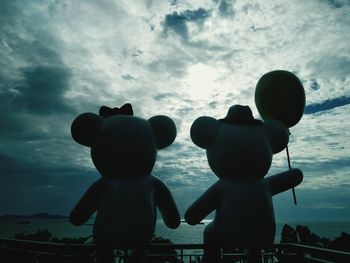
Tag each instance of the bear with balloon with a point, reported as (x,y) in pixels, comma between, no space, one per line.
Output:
(239,151)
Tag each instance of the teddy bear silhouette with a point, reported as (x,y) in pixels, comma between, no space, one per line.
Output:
(239,150)
(123,150)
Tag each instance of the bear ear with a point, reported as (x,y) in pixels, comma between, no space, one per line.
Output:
(277,134)
(164,130)
(85,127)
(204,130)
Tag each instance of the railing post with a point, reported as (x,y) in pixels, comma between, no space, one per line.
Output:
(254,255)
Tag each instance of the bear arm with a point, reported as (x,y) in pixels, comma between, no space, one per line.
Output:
(203,206)
(283,181)
(166,204)
(87,205)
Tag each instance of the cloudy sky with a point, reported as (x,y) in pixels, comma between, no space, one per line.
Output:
(183,59)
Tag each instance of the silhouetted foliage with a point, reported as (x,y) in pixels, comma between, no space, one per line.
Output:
(46,236)
(306,237)
(341,243)
(169,253)
(303,235)
(289,235)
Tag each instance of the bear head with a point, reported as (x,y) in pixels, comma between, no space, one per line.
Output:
(239,147)
(122,145)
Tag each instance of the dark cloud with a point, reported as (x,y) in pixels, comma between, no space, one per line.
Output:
(137,53)
(32,70)
(226,8)
(128,77)
(43,90)
(163,96)
(314,85)
(213,104)
(33,102)
(184,111)
(33,77)
(177,22)
(195,15)
(336,3)
(39,87)
(327,105)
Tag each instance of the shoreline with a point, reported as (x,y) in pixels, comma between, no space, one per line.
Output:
(183,234)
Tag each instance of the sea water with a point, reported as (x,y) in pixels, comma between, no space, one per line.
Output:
(184,234)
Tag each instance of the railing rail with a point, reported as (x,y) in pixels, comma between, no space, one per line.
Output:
(40,252)
(315,254)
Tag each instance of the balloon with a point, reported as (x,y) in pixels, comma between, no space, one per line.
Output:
(280,95)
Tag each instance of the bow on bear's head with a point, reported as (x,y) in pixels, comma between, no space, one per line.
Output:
(126,109)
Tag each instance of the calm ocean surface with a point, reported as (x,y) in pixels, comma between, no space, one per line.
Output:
(184,234)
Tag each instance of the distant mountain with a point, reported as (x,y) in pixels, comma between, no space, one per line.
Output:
(34,216)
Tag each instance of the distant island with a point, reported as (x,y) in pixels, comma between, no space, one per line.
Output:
(33,216)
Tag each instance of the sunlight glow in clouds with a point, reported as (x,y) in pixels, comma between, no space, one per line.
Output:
(201,81)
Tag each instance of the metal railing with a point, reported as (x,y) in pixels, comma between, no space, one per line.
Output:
(24,251)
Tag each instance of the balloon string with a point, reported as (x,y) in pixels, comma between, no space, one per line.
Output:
(290,168)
